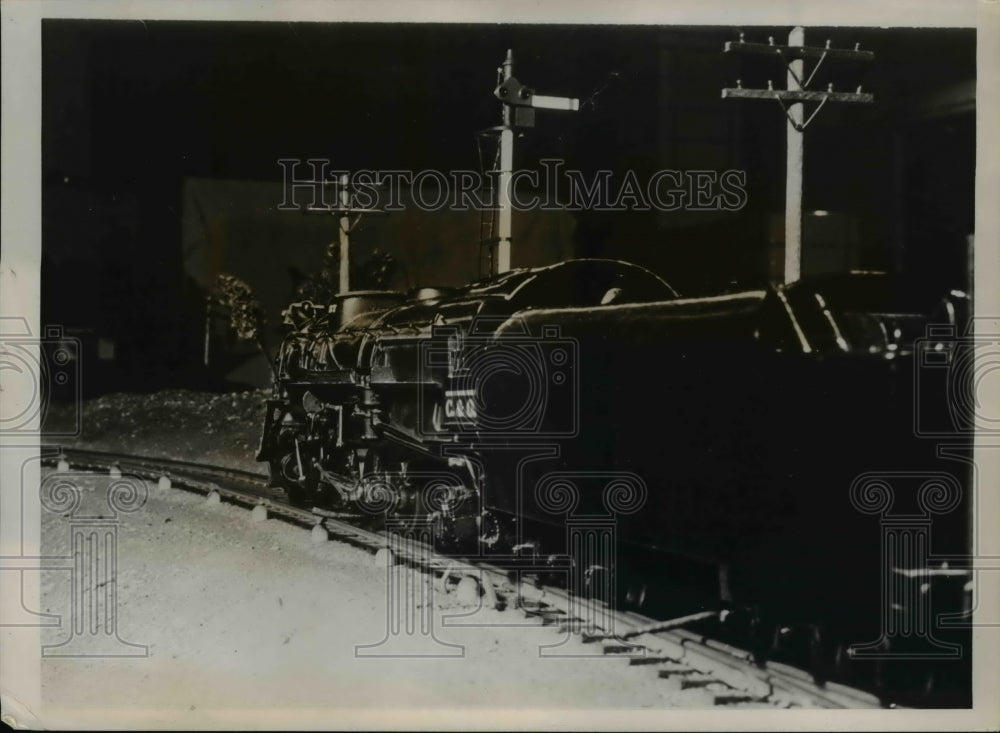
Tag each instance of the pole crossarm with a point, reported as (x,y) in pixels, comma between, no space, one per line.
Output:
(794,95)
(344,211)
(341,210)
(792,101)
(797,52)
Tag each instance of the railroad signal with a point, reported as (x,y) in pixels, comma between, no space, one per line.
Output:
(791,99)
(519,105)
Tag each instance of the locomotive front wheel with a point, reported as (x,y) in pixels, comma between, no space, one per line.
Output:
(764,636)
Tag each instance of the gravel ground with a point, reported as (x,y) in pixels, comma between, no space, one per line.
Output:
(252,619)
(244,617)
(218,428)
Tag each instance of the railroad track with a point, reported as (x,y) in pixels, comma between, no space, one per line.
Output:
(727,672)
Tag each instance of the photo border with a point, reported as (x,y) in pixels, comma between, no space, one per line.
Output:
(20,220)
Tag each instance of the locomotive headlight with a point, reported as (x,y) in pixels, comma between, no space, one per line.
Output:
(311,403)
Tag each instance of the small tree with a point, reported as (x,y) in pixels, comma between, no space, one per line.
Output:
(321,286)
(374,274)
(246,316)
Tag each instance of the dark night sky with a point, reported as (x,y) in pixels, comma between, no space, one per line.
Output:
(227,99)
(130,109)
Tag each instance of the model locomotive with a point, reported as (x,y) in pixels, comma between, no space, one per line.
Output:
(737,445)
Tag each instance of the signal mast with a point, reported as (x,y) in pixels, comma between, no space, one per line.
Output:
(519,105)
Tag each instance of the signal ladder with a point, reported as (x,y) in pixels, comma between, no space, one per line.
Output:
(489,214)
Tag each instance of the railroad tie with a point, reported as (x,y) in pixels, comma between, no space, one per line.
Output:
(651,660)
(548,617)
(671,669)
(698,680)
(612,646)
(736,697)
(571,625)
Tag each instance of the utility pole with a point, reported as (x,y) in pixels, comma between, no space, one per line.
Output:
(794,165)
(519,105)
(343,210)
(344,225)
(792,100)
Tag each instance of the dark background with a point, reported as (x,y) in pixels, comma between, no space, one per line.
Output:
(132,109)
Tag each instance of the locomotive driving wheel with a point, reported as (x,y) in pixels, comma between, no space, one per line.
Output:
(819,663)
(295,484)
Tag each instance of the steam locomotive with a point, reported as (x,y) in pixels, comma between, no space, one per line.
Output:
(738,448)
(360,393)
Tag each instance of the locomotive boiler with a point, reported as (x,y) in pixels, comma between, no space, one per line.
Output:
(360,408)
